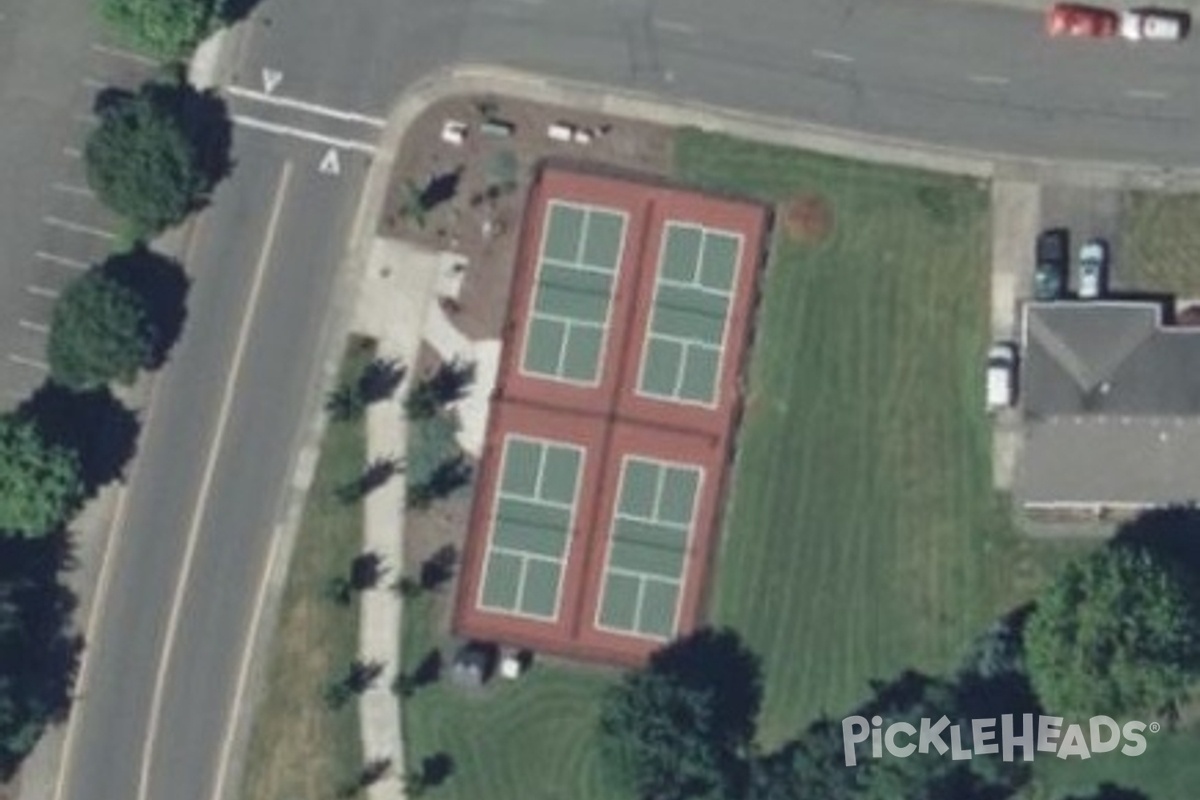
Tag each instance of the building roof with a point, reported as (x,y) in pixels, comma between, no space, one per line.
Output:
(1112,406)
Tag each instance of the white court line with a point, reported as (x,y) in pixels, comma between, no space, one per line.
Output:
(73,263)
(1146,94)
(72,152)
(301,105)
(300,133)
(36,327)
(989,80)
(125,54)
(41,291)
(67,225)
(29,362)
(830,55)
(67,188)
(671,25)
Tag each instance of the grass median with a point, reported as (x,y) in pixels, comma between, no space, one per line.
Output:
(300,747)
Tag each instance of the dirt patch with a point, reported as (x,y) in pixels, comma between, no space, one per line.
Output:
(808,219)
(476,191)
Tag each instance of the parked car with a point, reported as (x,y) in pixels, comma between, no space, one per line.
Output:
(1052,254)
(1001,376)
(1093,268)
(1154,25)
(1076,20)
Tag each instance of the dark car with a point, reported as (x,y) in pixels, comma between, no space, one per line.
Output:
(1053,254)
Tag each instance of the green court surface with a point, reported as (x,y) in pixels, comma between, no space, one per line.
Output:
(693,290)
(534,512)
(647,555)
(577,275)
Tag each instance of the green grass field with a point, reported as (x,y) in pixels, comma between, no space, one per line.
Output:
(534,739)
(862,536)
(299,748)
(1160,245)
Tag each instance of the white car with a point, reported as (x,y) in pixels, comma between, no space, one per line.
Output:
(1093,264)
(1154,25)
(1001,376)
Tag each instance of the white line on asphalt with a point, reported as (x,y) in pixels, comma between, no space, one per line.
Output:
(29,362)
(671,25)
(300,133)
(125,54)
(829,55)
(311,108)
(73,263)
(86,117)
(67,188)
(41,291)
(72,152)
(67,225)
(93,83)
(206,479)
(1146,94)
(36,327)
(990,80)
(104,576)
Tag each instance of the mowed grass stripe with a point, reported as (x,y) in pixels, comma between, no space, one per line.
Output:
(862,493)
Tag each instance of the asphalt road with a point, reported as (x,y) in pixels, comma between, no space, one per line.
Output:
(186,564)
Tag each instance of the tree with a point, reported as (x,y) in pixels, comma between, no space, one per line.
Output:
(143,161)
(1116,634)
(681,727)
(165,29)
(40,484)
(100,333)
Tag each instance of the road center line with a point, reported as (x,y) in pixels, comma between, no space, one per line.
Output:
(301,105)
(300,133)
(1146,94)
(830,55)
(989,80)
(210,468)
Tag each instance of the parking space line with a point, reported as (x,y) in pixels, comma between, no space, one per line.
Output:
(67,188)
(64,261)
(67,225)
(72,152)
(300,133)
(41,291)
(1146,94)
(676,27)
(29,362)
(830,55)
(989,80)
(125,54)
(92,83)
(36,327)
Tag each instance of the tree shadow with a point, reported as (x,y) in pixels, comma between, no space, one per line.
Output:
(429,670)
(163,286)
(365,571)
(450,381)
(93,423)
(1110,791)
(717,661)
(379,379)
(441,188)
(436,769)
(375,475)
(230,12)
(439,567)
(38,656)
(1172,533)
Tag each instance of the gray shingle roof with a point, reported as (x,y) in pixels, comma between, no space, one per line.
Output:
(1112,406)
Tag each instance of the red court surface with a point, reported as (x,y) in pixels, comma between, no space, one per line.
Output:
(685,444)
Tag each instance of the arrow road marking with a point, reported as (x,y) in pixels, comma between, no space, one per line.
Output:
(329,163)
(271,79)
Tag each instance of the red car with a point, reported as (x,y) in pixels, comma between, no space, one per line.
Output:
(1079,21)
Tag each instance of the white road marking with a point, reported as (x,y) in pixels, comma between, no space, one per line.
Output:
(73,263)
(86,118)
(67,188)
(41,291)
(829,55)
(72,152)
(300,133)
(671,25)
(92,83)
(36,327)
(1146,94)
(75,227)
(29,362)
(329,163)
(311,108)
(206,479)
(271,79)
(125,54)
(989,80)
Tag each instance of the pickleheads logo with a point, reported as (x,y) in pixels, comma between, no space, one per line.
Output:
(902,739)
